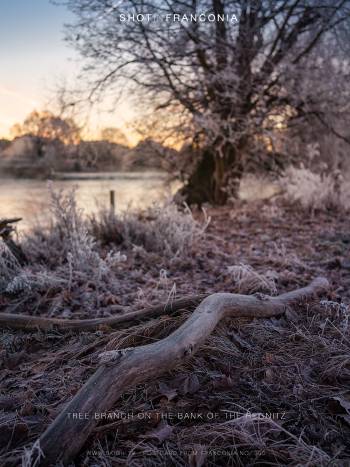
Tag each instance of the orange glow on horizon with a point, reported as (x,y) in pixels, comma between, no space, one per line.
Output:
(17,104)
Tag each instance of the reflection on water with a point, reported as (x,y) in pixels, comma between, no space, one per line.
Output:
(30,198)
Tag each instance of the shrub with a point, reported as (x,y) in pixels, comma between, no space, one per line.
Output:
(66,260)
(71,269)
(9,266)
(106,227)
(67,240)
(163,229)
(316,191)
(15,279)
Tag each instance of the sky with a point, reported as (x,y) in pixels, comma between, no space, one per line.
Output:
(33,58)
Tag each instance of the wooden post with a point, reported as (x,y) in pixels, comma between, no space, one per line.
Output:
(112,200)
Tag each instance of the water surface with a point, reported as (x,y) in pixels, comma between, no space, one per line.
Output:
(29,198)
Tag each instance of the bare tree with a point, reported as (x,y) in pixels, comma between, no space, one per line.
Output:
(49,126)
(114,135)
(220,69)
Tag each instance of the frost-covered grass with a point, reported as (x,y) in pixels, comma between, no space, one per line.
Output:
(65,262)
(16,279)
(164,229)
(254,188)
(9,266)
(77,262)
(67,239)
(316,191)
(247,280)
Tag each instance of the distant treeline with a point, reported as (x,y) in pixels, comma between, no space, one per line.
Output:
(36,156)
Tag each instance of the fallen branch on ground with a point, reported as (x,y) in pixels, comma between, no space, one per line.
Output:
(6,231)
(124,369)
(5,222)
(32,323)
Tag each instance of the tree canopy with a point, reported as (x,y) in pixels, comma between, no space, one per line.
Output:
(228,83)
(114,135)
(47,125)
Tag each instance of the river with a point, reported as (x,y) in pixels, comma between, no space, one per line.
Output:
(30,198)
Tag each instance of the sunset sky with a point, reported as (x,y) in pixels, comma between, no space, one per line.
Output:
(34,57)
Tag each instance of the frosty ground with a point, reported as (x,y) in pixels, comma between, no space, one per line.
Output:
(272,391)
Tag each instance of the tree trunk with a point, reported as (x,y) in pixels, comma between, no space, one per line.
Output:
(216,177)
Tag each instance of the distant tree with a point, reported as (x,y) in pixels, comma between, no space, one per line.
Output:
(229,86)
(49,126)
(114,135)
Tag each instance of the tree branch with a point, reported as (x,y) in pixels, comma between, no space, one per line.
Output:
(124,369)
(33,323)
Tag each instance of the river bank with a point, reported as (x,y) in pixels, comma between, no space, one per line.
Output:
(291,370)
